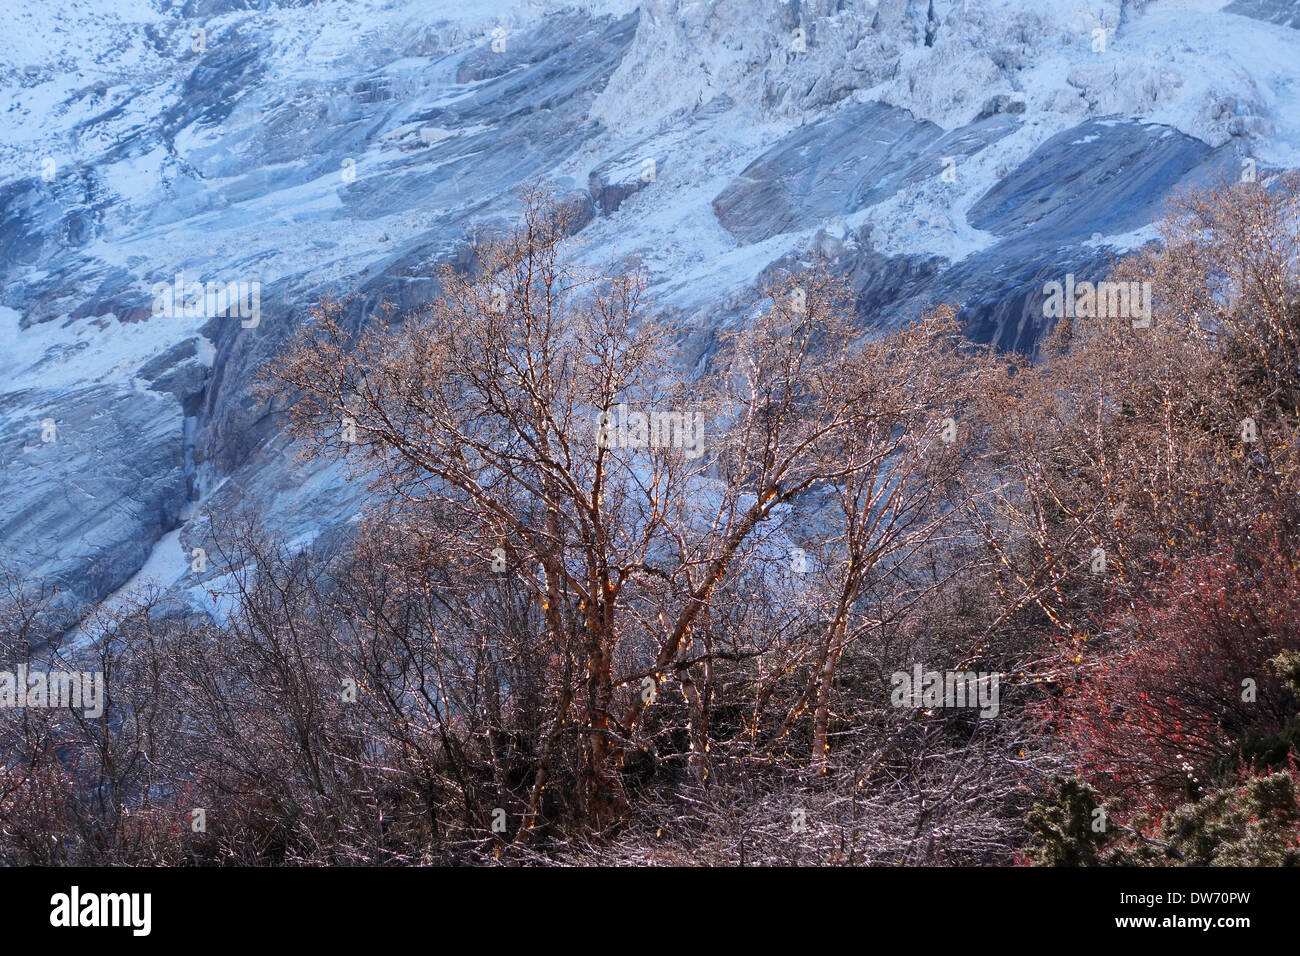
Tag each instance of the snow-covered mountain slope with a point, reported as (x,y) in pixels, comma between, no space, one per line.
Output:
(953,150)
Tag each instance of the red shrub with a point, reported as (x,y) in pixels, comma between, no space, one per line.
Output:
(1156,714)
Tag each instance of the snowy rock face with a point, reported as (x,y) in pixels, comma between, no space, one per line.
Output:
(1274,11)
(962,151)
(845,163)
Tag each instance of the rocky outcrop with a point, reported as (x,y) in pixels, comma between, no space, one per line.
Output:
(1282,12)
(89,485)
(844,163)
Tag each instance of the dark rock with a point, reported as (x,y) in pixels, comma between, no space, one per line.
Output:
(848,161)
